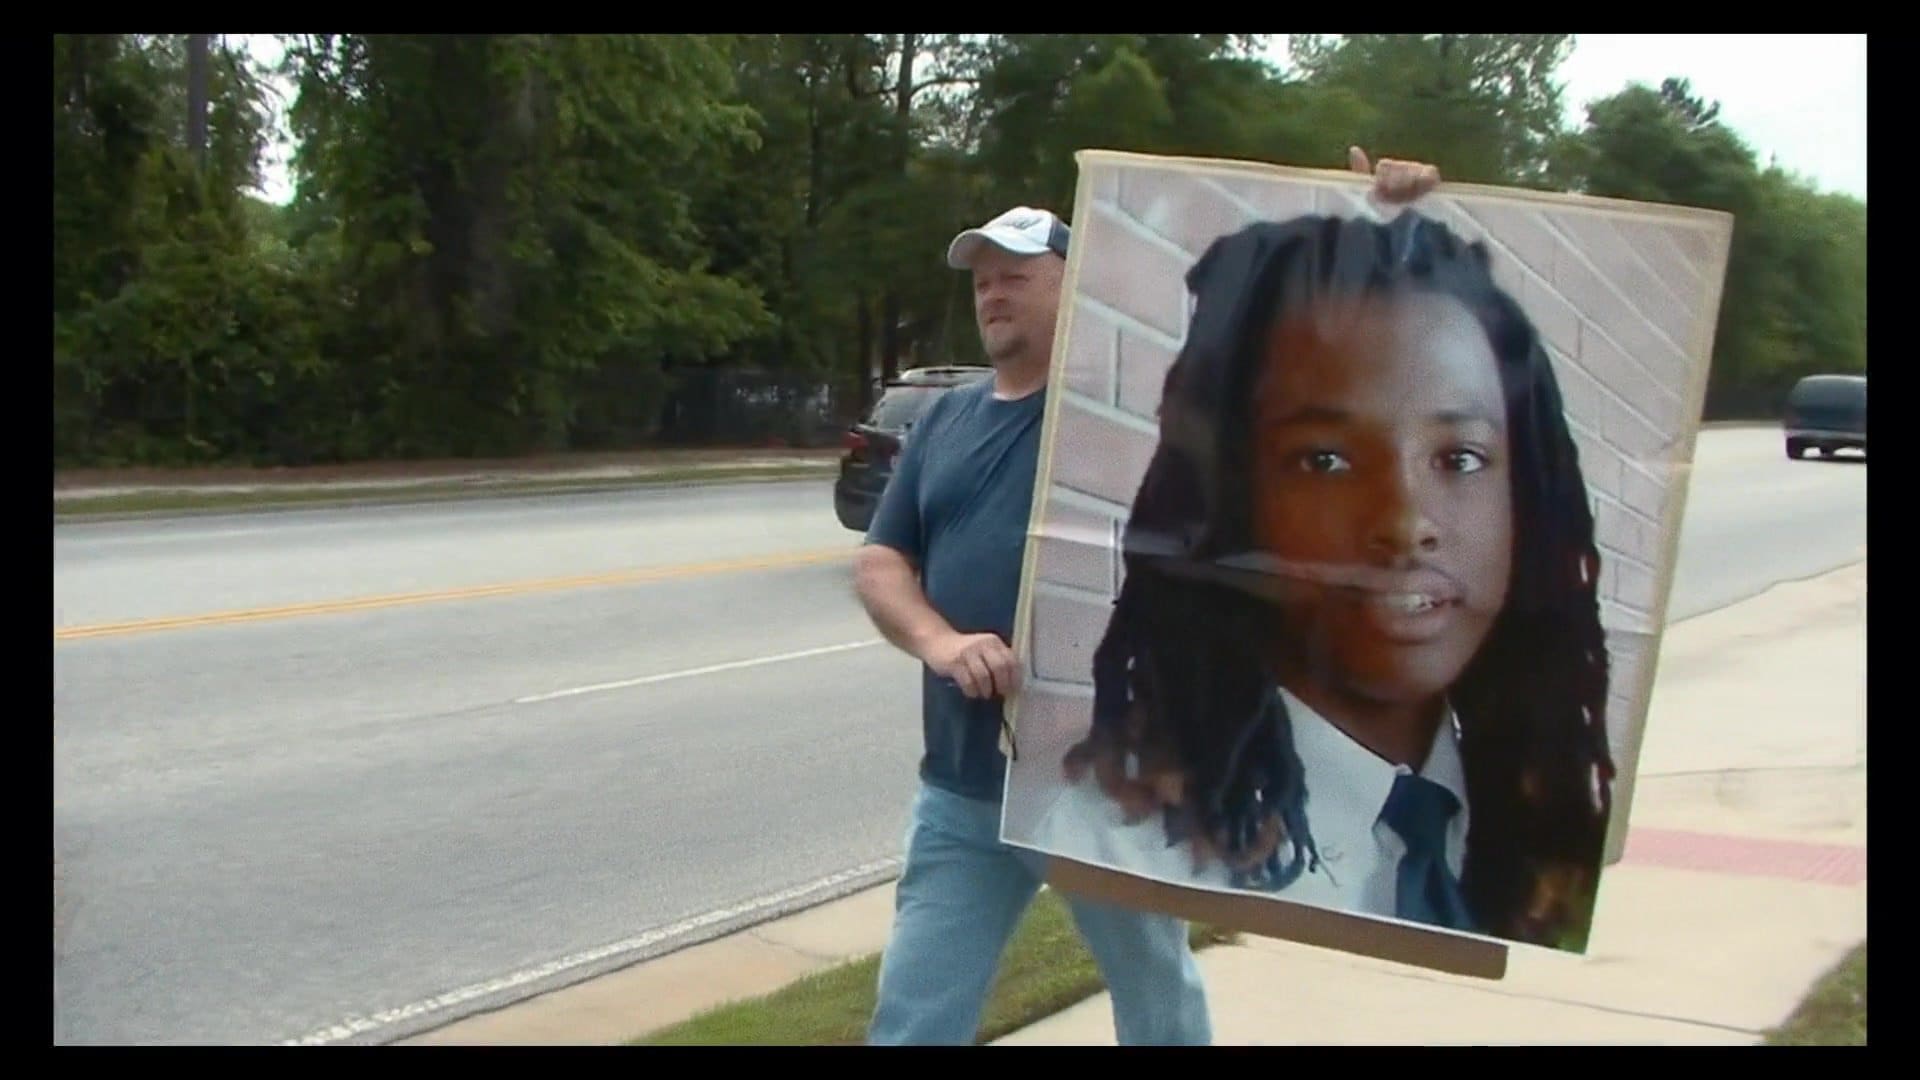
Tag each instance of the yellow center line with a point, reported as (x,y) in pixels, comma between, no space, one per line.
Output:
(472,592)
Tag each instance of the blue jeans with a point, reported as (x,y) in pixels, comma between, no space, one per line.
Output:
(957,902)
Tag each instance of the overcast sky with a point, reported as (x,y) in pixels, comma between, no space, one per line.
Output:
(1802,97)
(1799,98)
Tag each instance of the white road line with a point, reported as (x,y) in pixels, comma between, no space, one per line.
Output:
(360,1025)
(711,669)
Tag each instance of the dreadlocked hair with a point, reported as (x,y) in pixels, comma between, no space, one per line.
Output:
(1185,702)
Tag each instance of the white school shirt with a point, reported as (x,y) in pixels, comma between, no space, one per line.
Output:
(1347,788)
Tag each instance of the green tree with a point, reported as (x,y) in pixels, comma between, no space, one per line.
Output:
(1795,295)
(513,217)
(797,213)
(155,284)
(1044,97)
(1485,108)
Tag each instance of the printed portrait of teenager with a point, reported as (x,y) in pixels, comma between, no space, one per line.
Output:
(1357,658)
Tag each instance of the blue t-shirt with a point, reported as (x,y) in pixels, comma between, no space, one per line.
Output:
(957,507)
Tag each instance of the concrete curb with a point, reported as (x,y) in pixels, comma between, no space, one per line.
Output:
(739,963)
(681,967)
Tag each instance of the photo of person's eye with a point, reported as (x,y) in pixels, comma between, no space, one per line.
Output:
(1355,655)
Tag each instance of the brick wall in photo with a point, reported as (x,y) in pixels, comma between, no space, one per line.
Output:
(1619,303)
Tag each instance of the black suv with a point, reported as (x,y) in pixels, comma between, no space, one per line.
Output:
(1827,413)
(872,443)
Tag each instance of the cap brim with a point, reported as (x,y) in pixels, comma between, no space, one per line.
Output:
(966,247)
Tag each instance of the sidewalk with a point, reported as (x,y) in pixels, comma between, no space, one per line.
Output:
(1743,881)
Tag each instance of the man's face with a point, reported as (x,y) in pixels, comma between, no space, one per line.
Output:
(1016,299)
(1381,457)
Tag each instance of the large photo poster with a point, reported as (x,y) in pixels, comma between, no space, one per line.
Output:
(1351,543)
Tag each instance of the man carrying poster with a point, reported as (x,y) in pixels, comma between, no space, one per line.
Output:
(940,577)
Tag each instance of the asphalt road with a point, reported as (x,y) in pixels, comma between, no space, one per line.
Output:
(542,727)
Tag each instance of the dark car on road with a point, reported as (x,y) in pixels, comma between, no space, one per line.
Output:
(1826,413)
(874,442)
